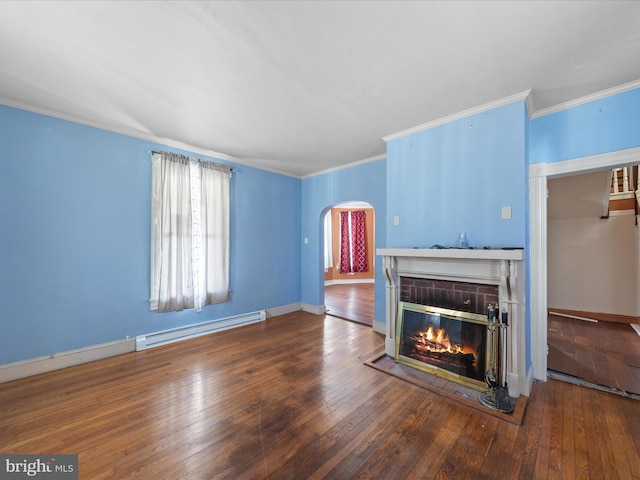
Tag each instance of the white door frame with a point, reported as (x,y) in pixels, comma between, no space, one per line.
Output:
(538,175)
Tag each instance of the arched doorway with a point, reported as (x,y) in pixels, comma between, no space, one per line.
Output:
(349,261)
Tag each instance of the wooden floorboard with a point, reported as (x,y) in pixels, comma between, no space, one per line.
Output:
(603,353)
(352,301)
(292,398)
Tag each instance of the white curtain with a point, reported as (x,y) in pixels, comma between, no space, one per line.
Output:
(328,242)
(190,233)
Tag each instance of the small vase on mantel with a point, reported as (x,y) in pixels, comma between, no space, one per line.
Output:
(463,240)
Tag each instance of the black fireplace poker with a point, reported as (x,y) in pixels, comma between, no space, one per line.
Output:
(497,394)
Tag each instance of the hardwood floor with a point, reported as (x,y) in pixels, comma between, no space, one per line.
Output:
(291,398)
(353,301)
(602,353)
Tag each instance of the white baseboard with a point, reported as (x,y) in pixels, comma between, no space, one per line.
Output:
(379,327)
(35,366)
(346,282)
(315,309)
(529,384)
(284,309)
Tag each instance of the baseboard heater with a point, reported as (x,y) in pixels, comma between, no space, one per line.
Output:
(165,337)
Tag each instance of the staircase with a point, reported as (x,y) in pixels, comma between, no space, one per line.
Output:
(624,197)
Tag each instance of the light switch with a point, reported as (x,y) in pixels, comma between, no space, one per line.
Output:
(506,213)
(306,240)
(396,221)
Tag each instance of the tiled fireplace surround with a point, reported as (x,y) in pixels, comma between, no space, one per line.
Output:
(466,280)
(464,297)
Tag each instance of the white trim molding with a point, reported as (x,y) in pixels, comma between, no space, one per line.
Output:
(284,309)
(379,327)
(57,361)
(538,175)
(315,309)
(518,97)
(583,100)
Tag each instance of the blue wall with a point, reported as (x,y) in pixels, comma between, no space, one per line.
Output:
(601,126)
(74,238)
(457,177)
(365,182)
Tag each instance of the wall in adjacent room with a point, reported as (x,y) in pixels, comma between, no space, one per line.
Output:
(74,243)
(593,265)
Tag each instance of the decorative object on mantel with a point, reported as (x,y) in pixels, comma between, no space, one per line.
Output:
(463,240)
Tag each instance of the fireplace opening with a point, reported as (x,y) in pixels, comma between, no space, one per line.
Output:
(448,343)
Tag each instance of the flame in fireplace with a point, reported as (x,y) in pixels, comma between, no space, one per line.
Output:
(430,341)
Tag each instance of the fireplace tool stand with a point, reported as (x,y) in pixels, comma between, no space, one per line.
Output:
(497,395)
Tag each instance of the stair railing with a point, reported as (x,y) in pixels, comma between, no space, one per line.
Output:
(625,185)
(624,181)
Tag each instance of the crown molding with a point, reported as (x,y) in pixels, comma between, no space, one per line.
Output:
(129,132)
(518,97)
(582,100)
(349,165)
(530,102)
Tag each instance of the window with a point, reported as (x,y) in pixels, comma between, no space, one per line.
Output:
(189,233)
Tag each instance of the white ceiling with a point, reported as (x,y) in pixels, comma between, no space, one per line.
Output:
(301,87)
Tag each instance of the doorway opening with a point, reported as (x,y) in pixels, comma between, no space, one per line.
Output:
(349,261)
(593,276)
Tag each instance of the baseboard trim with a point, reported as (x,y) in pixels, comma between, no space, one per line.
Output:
(57,361)
(328,283)
(593,316)
(379,327)
(315,309)
(284,309)
(530,379)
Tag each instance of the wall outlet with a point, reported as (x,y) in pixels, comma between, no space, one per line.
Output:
(396,221)
(506,213)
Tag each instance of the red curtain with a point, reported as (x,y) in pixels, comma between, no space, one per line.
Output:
(353,242)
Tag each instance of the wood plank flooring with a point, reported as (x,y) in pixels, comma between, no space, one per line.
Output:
(602,353)
(291,398)
(353,301)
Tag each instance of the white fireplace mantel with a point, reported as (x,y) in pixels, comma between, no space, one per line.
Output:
(504,268)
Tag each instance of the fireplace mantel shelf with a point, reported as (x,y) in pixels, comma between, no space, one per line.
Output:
(453,253)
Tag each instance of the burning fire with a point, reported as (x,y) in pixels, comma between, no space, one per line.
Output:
(435,342)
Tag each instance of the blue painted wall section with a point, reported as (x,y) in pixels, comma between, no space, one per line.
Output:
(606,125)
(74,237)
(365,182)
(457,177)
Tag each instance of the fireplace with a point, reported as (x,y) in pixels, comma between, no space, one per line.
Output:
(447,343)
(472,280)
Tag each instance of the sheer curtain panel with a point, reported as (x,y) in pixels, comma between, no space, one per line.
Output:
(189,233)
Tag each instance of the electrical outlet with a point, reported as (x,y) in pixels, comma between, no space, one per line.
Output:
(506,213)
